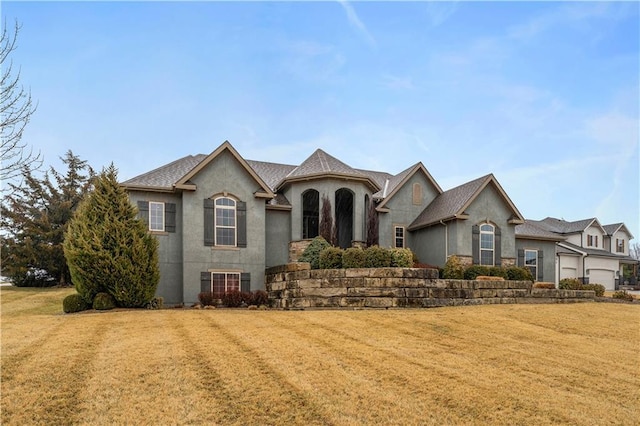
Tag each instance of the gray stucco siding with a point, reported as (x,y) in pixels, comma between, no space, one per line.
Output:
(429,244)
(487,206)
(278,235)
(224,174)
(169,247)
(548,249)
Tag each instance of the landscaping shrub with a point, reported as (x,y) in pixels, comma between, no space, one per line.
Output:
(623,295)
(103,302)
(312,253)
(331,258)
(247,298)
(155,303)
(261,298)
(207,298)
(232,299)
(453,269)
(377,257)
(598,288)
(474,271)
(498,271)
(516,273)
(74,303)
(570,284)
(353,257)
(401,257)
(544,285)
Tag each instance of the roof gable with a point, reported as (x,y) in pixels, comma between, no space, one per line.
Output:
(562,226)
(164,177)
(452,204)
(395,183)
(615,227)
(184,181)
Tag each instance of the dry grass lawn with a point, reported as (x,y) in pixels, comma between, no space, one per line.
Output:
(510,364)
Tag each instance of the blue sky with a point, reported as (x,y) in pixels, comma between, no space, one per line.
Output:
(544,95)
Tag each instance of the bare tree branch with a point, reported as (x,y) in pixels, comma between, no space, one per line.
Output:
(16,109)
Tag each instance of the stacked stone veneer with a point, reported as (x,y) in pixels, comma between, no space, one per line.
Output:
(295,285)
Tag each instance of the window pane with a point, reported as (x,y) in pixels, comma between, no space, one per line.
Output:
(486,241)
(233,282)
(530,257)
(225,217)
(486,228)
(156,216)
(486,257)
(218,284)
(225,236)
(225,202)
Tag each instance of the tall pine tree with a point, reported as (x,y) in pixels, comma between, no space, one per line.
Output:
(108,249)
(35,215)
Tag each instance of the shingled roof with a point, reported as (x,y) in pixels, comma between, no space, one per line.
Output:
(164,177)
(532,230)
(562,226)
(451,204)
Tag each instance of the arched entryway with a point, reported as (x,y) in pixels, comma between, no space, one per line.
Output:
(344,217)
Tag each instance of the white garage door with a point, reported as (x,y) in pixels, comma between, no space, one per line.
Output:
(602,276)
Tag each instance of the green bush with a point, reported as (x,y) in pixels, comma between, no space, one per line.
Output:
(74,303)
(516,273)
(155,303)
(103,302)
(498,271)
(331,258)
(623,295)
(377,257)
(474,271)
(353,257)
(453,269)
(570,284)
(401,257)
(598,288)
(312,253)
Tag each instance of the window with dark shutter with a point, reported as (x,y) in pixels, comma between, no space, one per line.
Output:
(241,214)
(170,217)
(209,232)
(143,212)
(245,281)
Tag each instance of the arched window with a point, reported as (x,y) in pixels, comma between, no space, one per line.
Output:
(310,213)
(487,244)
(225,220)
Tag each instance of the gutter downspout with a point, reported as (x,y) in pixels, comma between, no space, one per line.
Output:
(446,241)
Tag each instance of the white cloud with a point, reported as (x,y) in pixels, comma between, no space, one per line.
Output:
(355,21)
(439,11)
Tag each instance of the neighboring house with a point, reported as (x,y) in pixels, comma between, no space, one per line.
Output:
(590,251)
(221,219)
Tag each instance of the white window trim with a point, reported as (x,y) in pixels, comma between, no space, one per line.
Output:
(215,220)
(395,238)
(493,243)
(156,203)
(534,266)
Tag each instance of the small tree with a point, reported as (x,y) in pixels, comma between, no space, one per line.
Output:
(372,225)
(326,220)
(108,248)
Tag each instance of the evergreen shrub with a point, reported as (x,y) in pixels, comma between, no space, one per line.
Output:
(597,288)
(498,271)
(312,253)
(623,295)
(516,273)
(453,269)
(474,271)
(353,257)
(103,302)
(331,258)
(74,303)
(155,303)
(570,284)
(377,257)
(401,257)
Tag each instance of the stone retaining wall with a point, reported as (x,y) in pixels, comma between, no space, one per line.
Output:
(295,285)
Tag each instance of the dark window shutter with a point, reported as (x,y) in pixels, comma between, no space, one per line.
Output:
(241,216)
(521,258)
(540,265)
(245,281)
(209,232)
(170,217)
(497,247)
(475,244)
(205,281)
(143,212)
